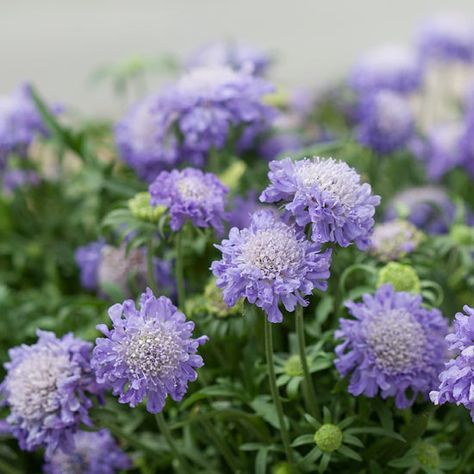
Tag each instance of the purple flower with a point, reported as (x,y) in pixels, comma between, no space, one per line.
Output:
(394,239)
(385,122)
(238,56)
(18,178)
(88,258)
(46,389)
(393,345)
(390,67)
(198,114)
(93,453)
(20,122)
(270,263)
(457,378)
(242,209)
(447,36)
(190,194)
(328,195)
(427,207)
(148,354)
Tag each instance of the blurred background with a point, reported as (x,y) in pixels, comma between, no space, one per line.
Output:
(59,45)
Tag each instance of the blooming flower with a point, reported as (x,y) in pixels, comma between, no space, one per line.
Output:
(270,263)
(456,380)
(190,194)
(393,346)
(88,258)
(394,239)
(427,207)
(390,67)
(93,453)
(148,354)
(385,122)
(238,56)
(195,115)
(18,178)
(447,36)
(326,194)
(46,389)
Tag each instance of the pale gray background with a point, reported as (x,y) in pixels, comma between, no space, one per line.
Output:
(58,43)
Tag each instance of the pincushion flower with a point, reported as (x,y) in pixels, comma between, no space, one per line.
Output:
(198,114)
(93,453)
(148,354)
(191,195)
(385,122)
(457,378)
(391,67)
(270,263)
(394,239)
(394,347)
(46,389)
(447,36)
(236,55)
(326,194)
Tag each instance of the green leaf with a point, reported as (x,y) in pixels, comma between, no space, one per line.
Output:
(349,453)
(376,431)
(303,439)
(261,461)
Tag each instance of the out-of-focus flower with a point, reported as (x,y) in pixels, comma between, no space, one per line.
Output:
(88,258)
(447,36)
(457,378)
(394,239)
(427,207)
(328,195)
(94,452)
(394,346)
(141,208)
(270,263)
(192,195)
(149,353)
(216,305)
(279,143)
(390,67)
(46,389)
(236,55)
(385,122)
(401,277)
(18,178)
(242,209)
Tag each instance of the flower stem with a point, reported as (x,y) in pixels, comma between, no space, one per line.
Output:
(165,431)
(274,390)
(179,270)
(149,267)
(308,388)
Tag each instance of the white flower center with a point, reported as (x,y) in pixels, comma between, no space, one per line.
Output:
(144,129)
(393,113)
(192,188)
(397,341)
(206,79)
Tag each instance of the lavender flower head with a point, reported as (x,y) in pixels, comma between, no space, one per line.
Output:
(243,207)
(20,122)
(385,122)
(456,380)
(427,207)
(394,239)
(393,345)
(46,389)
(391,67)
(88,258)
(191,195)
(328,195)
(447,36)
(270,263)
(148,354)
(238,56)
(93,453)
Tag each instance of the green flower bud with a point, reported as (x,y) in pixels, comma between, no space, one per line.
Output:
(462,234)
(292,366)
(402,277)
(427,455)
(141,208)
(216,305)
(328,438)
(281,468)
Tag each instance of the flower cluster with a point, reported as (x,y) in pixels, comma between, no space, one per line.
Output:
(270,263)
(191,195)
(456,380)
(46,389)
(328,195)
(148,354)
(393,346)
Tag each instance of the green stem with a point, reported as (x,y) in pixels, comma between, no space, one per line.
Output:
(179,270)
(308,388)
(165,431)
(274,390)
(150,268)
